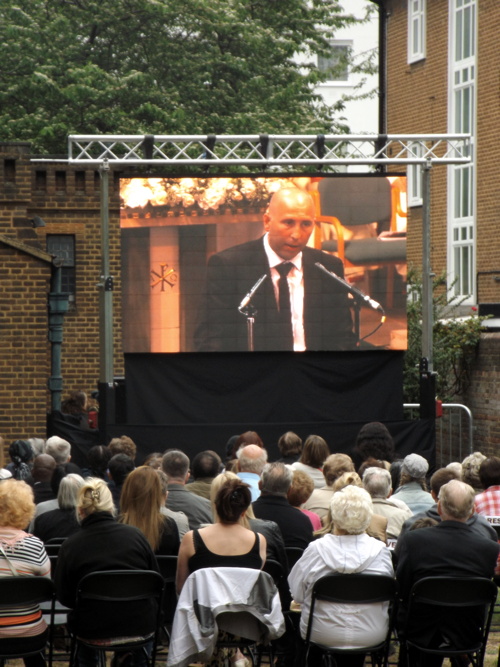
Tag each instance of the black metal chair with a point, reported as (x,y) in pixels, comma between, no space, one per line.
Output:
(100,592)
(293,554)
(20,592)
(443,594)
(168,569)
(354,589)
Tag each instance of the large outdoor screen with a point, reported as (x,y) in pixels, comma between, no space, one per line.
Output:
(263,263)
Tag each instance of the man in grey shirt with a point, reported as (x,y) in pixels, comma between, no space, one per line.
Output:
(175,464)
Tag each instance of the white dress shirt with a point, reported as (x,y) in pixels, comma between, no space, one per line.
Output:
(296,285)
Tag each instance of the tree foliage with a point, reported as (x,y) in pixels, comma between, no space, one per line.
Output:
(162,67)
(455,341)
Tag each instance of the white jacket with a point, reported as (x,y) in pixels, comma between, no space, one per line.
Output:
(342,625)
(211,591)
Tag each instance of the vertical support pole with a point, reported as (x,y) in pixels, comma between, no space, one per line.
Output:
(106,371)
(427,275)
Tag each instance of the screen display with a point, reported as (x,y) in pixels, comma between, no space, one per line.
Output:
(263,263)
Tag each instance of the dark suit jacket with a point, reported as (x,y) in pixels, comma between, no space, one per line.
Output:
(449,549)
(233,272)
(296,531)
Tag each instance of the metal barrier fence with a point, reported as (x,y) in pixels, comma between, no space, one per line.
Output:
(454,431)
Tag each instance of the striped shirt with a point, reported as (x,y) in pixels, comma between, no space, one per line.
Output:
(27,556)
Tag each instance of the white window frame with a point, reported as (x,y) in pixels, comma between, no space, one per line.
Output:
(462,96)
(339,82)
(414,179)
(417,30)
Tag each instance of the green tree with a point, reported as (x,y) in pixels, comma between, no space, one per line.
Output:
(162,67)
(455,341)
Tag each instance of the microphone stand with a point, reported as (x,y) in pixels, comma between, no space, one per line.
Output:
(249,311)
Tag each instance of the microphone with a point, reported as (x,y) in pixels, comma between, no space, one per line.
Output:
(246,300)
(357,293)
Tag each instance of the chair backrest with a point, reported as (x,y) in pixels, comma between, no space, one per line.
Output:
(118,603)
(120,586)
(19,591)
(357,203)
(275,569)
(454,591)
(353,589)
(293,554)
(168,567)
(460,594)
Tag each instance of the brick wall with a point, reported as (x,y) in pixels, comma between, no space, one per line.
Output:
(417,101)
(68,200)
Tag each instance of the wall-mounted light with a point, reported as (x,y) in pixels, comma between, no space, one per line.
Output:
(37,222)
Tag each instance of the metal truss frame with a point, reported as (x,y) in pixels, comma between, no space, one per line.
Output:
(279,152)
(269,149)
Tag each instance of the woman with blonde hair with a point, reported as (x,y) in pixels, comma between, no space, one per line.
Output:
(22,555)
(140,504)
(102,544)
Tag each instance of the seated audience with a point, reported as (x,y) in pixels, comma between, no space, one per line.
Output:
(205,466)
(412,486)
(488,502)
(43,469)
(374,441)
(348,549)
(456,466)
(98,458)
(290,446)
(180,518)
(140,506)
(24,555)
(377,481)
(251,460)
(476,522)
(470,470)
(270,530)
(273,505)
(334,466)
(450,548)
(175,465)
(103,544)
(298,493)
(119,467)
(153,460)
(314,454)
(62,521)
(225,543)
(21,455)
(123,445)
(377,527)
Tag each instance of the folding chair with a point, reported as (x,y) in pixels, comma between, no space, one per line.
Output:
(444,594)
(101,593)
(240,601)
(168,569)
(21,592)
(354,589)
(293,554)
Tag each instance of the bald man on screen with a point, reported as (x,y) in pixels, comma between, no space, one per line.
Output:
(314,314)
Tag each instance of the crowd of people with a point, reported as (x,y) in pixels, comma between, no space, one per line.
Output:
(370,513)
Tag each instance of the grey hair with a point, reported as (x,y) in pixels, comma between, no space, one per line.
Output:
(457,499)
(377,481)
(276,479)
(68,491)
(59,449)
(251,465)
(351,509)
(175,464)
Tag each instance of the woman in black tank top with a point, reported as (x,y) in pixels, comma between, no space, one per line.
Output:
(226,543)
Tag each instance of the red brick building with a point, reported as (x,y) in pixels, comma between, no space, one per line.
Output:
(442,77)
